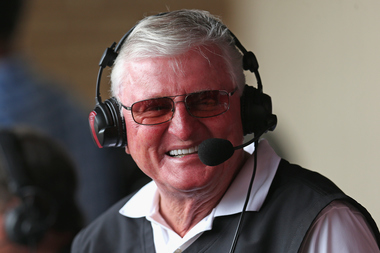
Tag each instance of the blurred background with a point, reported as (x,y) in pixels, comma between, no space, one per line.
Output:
(318,60)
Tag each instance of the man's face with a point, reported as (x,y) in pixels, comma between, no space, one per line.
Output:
(150,145)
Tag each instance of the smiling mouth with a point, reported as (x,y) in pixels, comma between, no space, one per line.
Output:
(183,152)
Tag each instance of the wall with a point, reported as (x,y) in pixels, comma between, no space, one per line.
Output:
(67,38)
(319,61)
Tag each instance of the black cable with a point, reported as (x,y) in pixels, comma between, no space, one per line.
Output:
(237,232)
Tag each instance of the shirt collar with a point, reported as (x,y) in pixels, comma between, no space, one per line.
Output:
(233,201)
(267,163)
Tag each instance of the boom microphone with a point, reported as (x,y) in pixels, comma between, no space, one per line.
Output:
(215,151)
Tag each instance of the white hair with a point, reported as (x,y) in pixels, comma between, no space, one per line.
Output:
(172,34)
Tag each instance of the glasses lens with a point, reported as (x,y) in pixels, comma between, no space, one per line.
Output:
(207,103)
(153,111)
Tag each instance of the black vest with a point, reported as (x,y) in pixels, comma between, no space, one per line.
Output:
(295,199)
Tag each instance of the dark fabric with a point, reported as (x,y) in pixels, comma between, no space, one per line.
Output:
(295,199)
(113,232)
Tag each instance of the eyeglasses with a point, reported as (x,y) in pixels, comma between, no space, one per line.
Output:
(203,104)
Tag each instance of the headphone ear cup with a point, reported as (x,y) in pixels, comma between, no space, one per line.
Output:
(24,226)
(107,125)
(256,112)
(27,223)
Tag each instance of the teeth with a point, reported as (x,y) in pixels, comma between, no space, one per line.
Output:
(182,152)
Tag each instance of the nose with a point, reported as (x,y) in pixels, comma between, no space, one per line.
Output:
(183,125)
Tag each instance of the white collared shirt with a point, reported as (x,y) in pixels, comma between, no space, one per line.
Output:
(145,204)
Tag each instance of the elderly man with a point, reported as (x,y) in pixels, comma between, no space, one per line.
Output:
(177,82)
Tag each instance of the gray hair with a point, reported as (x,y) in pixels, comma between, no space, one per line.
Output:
(172,34)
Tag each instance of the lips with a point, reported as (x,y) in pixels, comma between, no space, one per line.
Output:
(183,152)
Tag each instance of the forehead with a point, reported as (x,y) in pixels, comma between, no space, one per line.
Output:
(198,69)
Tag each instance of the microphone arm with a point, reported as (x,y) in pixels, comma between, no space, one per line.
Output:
(255,138)
(215,151)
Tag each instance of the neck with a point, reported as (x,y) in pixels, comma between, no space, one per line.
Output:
(182,211)
(182,214)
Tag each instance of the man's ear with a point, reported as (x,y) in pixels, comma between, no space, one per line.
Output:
(127,150)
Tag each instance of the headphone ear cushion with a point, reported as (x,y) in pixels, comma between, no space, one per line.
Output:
(107,125)
(256,112)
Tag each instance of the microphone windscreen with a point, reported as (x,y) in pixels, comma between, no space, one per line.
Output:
(215,151)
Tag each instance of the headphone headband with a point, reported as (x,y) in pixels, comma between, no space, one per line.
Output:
(108,127)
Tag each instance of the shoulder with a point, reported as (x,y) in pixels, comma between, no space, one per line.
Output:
(332,210)
(294,177)
(108,232)
(340,222)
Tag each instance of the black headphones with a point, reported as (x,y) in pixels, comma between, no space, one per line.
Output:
(27,223)
(108,128)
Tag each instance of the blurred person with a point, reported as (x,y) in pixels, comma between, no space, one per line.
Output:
(38,209)
(183,108)
(28,97)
